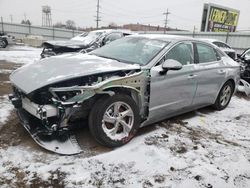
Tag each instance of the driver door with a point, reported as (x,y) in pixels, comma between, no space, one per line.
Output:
(175,90)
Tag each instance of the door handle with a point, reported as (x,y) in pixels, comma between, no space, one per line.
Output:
(192,76)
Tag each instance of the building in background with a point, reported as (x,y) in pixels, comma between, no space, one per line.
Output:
(143,27)
(216,18)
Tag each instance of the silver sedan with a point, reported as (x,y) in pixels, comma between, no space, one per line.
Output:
(127,84)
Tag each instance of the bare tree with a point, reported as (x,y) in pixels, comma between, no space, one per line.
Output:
(59,25)
(112,25)
(70,24)
(27,22)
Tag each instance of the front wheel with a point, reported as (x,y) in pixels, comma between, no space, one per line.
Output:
(114,120)
(224,96)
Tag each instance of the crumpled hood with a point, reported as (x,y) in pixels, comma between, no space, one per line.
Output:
(59,68)
(68,44)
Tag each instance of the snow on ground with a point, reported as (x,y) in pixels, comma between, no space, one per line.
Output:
(205,148)
(20,54)
(6,71)
(5,109)
(208,149)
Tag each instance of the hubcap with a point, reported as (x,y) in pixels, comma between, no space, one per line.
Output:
(225,96)
(118,120)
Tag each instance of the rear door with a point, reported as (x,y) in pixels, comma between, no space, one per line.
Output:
(211,73)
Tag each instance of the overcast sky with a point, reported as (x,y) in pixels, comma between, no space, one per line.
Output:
(185,14)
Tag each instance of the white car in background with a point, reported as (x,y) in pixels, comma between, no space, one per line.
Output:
(6,39)
(80,37)
(84,42)
(223,46)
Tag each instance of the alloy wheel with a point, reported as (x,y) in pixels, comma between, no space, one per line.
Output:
(118,120)
(225,95)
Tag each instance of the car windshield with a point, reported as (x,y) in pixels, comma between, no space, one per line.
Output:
(133,50)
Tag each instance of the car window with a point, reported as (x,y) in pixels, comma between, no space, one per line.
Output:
(206,53)
(221,45)
(182,53)
(137,50)
(112,37)
(248,53)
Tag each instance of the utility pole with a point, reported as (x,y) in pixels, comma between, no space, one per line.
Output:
(24,17)
(11,18)
(98,14)
(166,21)
(194,31)
(2,23)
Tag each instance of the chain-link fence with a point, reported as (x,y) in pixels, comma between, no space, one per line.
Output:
(48,33)
(238,40)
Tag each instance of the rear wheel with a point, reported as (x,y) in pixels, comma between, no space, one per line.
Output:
(114,120)
(224,96)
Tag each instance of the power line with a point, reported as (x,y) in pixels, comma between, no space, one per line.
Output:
(184,18)
(166,20)
(128,15)
(114,6)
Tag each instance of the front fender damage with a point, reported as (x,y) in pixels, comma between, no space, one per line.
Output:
(135,83)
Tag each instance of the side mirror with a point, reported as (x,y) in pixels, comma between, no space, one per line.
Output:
(170,64)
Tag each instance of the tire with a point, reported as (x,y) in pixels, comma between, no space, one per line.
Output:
(113,128)
(3,43)
(6,42)
(226,93)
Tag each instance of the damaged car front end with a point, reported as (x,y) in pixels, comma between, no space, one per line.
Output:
(50,100)
(49,117)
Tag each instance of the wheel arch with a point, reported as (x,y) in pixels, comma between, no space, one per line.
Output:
(131,91)
(232,81)
(112,90)
(228,80)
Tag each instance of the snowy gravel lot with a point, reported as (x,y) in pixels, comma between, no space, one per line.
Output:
(205,148)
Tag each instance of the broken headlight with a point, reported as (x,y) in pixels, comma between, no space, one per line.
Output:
(66,95)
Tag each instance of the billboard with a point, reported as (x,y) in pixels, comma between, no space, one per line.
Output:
(219,19)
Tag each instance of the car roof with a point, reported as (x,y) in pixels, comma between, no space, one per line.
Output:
(164,37)
(210,40)
(174,38)
(113,30)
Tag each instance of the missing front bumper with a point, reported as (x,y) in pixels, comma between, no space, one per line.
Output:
(65,144)
(32,117)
